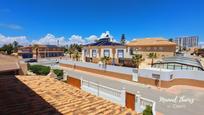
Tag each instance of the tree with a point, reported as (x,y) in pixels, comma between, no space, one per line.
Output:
(152,56)
(70,51)
(73,48)
(122,39)
(105,59)
(15,46)
(76,55)
(137,59)
(35,48)
(7,48)
(171,39)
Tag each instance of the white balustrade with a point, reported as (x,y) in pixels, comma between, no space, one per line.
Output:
(142,102)
(114,95)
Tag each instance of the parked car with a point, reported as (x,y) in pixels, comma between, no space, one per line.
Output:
(31,60)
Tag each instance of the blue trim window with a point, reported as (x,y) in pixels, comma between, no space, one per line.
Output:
(120,53)
(94,53)
(106,53)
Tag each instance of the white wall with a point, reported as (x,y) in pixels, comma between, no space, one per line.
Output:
(165,74)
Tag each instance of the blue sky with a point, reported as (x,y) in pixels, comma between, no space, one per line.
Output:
(34,19)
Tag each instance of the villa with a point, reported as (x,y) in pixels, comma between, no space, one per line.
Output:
(40,51)
(160,46)
(103,47)
(122,54)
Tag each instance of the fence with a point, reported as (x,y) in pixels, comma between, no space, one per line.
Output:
(114,95)
(141,103)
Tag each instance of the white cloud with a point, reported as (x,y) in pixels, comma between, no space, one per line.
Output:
(76,39)
(51,40)
(103,35)
(11,26)
(91,39)
(22,40)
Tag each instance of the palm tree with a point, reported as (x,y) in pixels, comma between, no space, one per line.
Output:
(15,46)
(70,51)
(137,59)
(35,48)
(105,59)
(152,56)
(76,55)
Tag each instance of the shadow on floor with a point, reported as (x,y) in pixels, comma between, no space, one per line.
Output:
(18,99)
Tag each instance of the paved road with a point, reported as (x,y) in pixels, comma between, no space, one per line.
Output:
(168,108)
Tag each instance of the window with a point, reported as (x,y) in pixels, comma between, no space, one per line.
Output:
(148,48)
(85,52)
(94,53)
(177,66)
(160,48)
(131,51)
(120,54)
(171,66)
(106,53)
(156,76)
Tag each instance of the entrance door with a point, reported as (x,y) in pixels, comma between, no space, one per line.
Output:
(130,101)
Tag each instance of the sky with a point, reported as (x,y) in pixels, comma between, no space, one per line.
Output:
(82,21)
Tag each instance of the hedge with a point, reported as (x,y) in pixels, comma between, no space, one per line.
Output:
(148,110)
(39,69)
(59,73)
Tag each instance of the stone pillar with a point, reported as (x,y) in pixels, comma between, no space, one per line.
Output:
(135,75)
(123,96)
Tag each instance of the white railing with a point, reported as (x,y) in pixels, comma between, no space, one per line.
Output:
(141,103)
(114,95)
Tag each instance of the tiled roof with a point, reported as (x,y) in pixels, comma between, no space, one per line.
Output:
(8,63)
(150,42)
(51,46)
(45,95)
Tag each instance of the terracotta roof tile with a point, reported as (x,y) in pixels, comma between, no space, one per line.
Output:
(45,95)
(150,42)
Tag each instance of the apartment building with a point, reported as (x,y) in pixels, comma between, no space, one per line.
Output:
(40,51)
(187,42)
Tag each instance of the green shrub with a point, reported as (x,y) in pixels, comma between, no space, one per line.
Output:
(59,73)
(148,110)
(39,69)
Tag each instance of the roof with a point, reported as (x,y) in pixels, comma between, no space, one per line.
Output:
(151,42)
(8,63)
(40,45)
(182,60)
(45,95)
(104,42)
(51,46)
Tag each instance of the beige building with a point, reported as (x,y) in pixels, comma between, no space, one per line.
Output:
(160,46)
(40,51)
(104,47)
(122,54)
